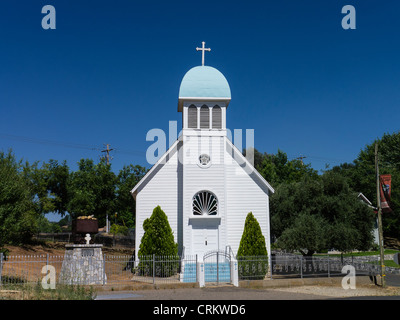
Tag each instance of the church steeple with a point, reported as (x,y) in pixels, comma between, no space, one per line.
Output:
(204,95)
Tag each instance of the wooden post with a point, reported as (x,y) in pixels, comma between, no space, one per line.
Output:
(378,197)
(1,267)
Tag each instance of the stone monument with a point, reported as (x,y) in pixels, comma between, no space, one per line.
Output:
(83,264)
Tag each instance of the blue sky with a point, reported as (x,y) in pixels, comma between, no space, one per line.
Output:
(111,71)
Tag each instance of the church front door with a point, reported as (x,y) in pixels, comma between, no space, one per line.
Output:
(204,237)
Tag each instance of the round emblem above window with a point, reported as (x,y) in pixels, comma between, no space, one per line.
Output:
(204,160)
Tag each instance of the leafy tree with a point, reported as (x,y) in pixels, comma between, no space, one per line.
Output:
(307,234)
(361,176)
(18,215)
(65,222)
(276,168)
(117,229)
(50,185)
(45,225)
(320,213)
(58,176)
(92,190)
(127,178)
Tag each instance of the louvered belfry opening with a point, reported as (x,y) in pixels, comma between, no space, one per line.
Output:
(216,117)
(204,117)
(192,117)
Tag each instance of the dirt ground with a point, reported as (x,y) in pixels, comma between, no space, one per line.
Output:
(339,292)
(57,249)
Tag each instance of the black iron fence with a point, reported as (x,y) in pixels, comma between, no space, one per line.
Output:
(292,265)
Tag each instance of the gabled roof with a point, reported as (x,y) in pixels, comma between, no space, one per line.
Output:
(154,167)
(249,167)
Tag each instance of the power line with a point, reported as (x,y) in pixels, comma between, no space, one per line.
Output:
(107,151)
(48,142)
(301,158)
(67,144)
(317,158)
(138,153)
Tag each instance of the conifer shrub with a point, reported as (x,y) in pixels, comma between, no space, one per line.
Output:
(158,240)
(252,254)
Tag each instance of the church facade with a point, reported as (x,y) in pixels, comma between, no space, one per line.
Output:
(203,183)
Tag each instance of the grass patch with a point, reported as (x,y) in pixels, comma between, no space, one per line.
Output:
(391,263)
(36,292)
(360,254)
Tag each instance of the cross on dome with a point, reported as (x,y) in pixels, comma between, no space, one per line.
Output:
(203,49)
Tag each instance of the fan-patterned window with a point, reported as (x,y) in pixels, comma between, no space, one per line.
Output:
(205,203)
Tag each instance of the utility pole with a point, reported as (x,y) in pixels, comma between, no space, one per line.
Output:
(107,150)
(301,158)
(378,197)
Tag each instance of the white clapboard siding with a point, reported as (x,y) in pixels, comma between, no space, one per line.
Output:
(162,189)
(244,194)
(172,186)
(197,179)
(197,145)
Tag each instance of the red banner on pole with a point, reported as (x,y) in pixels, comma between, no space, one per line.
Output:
(386,190)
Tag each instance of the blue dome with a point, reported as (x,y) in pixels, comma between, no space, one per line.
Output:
(204,82)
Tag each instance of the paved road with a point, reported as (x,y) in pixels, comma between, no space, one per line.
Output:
(217,293)
(220,293)
(393,280)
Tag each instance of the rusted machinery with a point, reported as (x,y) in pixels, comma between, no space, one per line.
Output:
(83,225)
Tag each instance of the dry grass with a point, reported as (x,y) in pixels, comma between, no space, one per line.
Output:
(36,292)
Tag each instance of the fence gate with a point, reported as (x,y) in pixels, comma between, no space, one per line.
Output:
(217,267)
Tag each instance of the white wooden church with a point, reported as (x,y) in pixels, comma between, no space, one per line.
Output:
(203,183)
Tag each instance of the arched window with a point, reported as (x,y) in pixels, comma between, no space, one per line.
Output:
(205,203)
(192,117)
(204,117)
(216,117)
